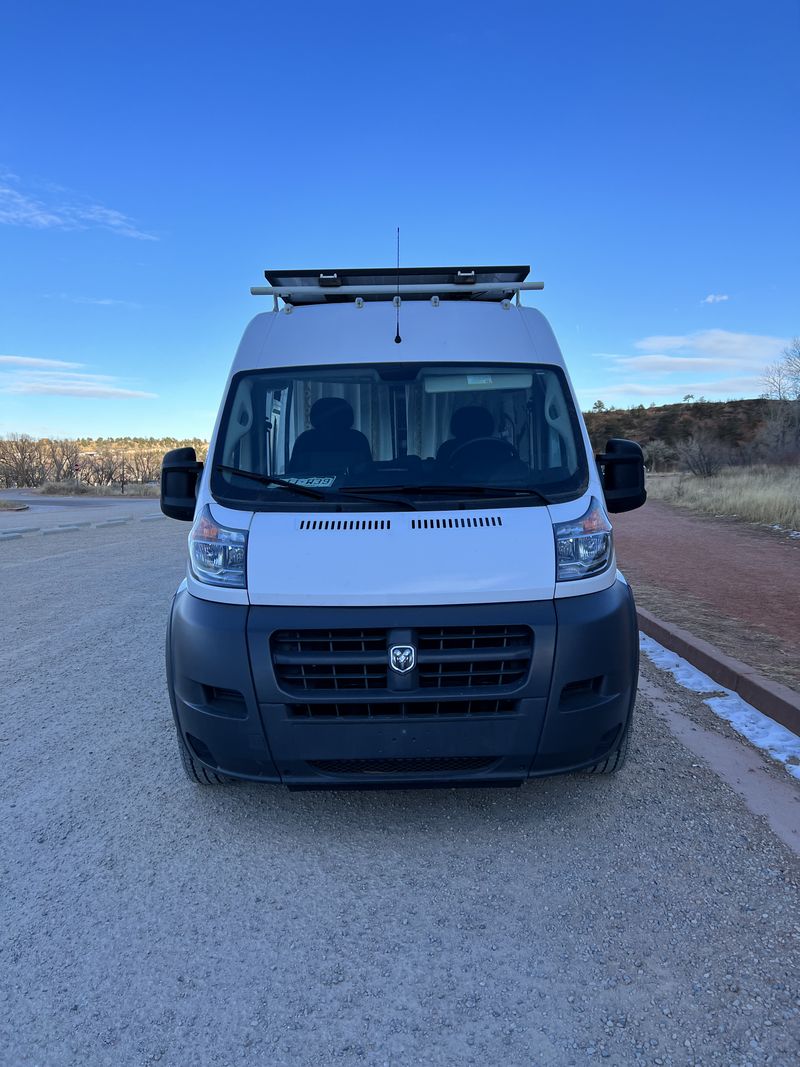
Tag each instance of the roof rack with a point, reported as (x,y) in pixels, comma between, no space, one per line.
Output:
(297,287)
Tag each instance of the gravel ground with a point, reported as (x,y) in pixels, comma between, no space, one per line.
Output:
(650,918)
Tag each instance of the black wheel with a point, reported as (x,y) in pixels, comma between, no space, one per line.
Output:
(616,759)
(195,771)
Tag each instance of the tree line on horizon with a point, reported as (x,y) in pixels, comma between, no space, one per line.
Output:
(28,462)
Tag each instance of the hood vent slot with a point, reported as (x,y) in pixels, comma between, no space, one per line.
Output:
(348,525)
(462,523)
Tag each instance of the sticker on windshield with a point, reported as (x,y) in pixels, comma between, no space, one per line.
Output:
(324,482)
(479,379)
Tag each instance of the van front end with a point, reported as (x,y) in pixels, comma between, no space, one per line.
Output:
(401,565)
(462,694)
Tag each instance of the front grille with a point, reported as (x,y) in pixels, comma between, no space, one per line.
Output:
(415,765)
(391,709)
(330,659)
(448,657)
(473,656)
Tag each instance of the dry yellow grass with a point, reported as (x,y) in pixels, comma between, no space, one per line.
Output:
(84,489)
(769,495)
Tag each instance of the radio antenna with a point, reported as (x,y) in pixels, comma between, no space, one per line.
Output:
(397,337)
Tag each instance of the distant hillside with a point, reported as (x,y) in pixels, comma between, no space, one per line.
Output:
(734,423)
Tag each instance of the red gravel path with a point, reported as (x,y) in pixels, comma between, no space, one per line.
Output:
(743,572)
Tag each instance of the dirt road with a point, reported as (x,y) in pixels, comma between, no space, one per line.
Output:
(650,918)
(734,584)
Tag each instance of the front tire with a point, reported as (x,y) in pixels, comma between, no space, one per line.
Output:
(615,760)
(196,772)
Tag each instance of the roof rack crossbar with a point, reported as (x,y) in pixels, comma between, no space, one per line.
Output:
(285,292)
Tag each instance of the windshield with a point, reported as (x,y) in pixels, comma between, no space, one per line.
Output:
(348,433)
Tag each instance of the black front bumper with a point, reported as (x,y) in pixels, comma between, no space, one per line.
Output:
(568,712)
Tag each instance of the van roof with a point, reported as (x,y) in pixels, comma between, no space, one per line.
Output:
(314,286)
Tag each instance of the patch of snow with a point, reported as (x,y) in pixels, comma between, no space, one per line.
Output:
(758,728)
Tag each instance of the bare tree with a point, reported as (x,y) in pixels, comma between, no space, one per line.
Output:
(702,454)
(21,461)
(659,454)
(61,456)
(145,466)
(779,436)
(782,379)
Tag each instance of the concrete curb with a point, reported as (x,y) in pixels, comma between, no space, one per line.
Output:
(777,701)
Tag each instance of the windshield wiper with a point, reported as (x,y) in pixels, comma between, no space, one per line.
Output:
(270,479)
(454,490)
(304,490)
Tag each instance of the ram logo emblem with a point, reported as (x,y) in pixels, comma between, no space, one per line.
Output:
(402,658)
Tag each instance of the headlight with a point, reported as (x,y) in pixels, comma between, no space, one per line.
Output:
(217,554)
(584,546)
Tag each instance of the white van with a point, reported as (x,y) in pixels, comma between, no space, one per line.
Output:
(401,569)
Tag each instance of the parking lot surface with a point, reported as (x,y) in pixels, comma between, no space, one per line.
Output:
(648,918)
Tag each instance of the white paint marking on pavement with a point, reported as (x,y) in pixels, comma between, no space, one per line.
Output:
(60,529)
(152,518)
(112,522)
(10,536)
(759,729)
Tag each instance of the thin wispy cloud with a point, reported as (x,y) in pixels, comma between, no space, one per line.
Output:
(715,298)
(32,361)
(94,301)
(661,364)
(55,208)
(32,376)
(719,389)
(718,343)
(78,389)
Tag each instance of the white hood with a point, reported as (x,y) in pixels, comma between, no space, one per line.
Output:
(401,557)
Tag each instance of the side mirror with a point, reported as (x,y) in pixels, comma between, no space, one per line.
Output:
(179,474)
(622,474)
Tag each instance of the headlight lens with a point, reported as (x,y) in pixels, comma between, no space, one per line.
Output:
(584,546)
(217,554)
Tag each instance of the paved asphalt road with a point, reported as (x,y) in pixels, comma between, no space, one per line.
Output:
(37,502)
(650,918)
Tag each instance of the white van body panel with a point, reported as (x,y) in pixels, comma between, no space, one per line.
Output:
(342,333)
(513,560)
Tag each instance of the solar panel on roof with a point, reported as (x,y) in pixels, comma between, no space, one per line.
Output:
(331,280)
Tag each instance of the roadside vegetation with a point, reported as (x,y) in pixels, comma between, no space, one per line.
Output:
(74,488)
(100,466)
(769,495)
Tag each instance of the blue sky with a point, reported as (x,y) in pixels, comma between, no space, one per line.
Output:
(642,157)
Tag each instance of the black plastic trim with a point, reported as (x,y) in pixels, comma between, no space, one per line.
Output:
(213,647)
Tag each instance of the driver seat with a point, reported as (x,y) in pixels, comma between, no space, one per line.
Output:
(466,424)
